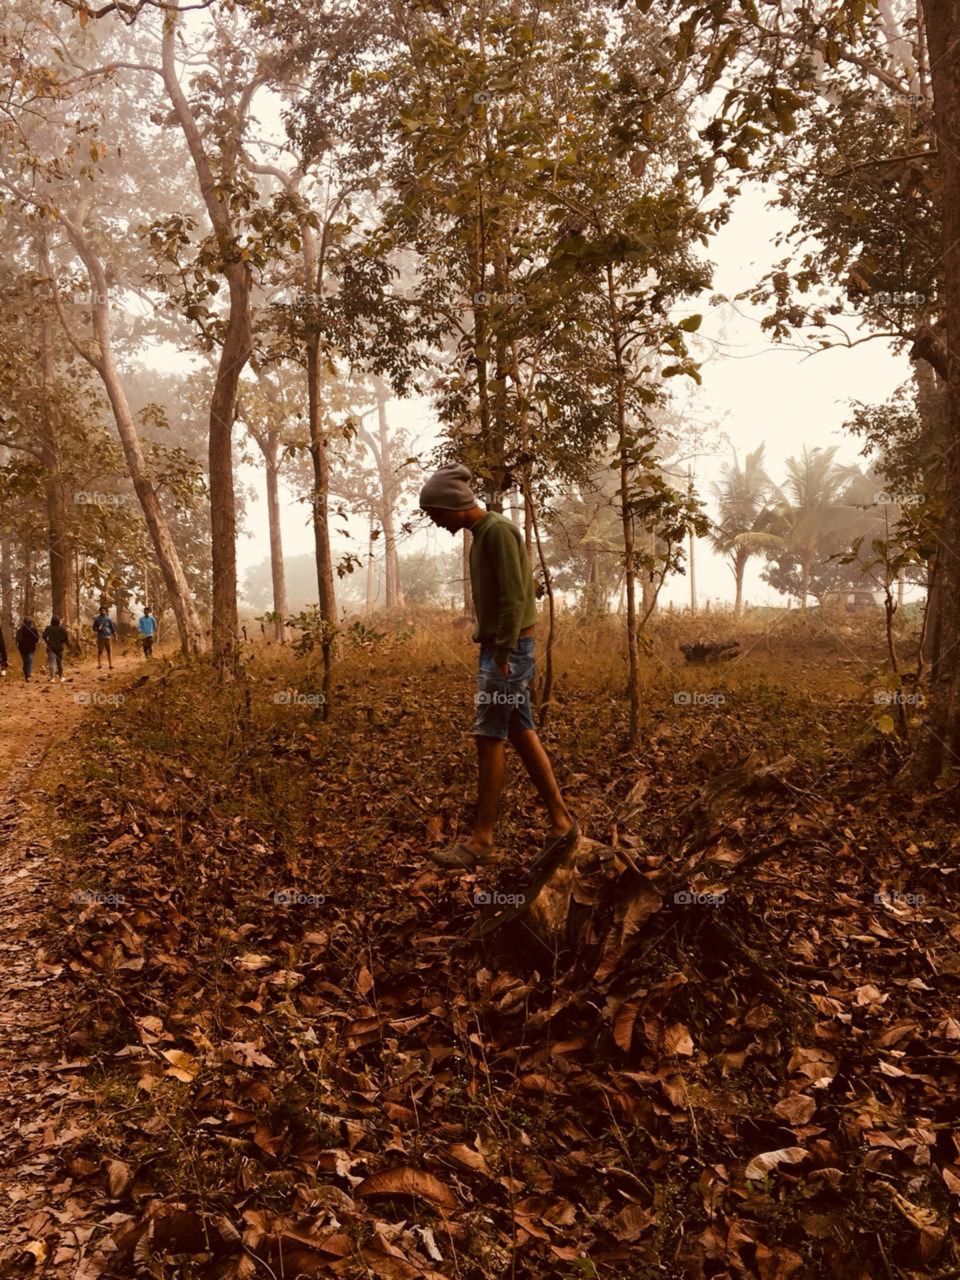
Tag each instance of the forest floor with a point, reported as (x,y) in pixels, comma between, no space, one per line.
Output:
(279,1054)
(36,719)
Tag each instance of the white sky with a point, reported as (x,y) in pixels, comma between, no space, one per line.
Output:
(756,391)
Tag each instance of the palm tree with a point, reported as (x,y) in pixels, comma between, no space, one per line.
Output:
(740,498)
(810,507)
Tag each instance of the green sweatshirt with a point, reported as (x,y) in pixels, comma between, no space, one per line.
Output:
(504,594)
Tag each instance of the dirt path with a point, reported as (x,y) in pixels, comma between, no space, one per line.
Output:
(35,1088)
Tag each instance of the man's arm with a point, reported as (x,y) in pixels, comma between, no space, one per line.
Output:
(512,587)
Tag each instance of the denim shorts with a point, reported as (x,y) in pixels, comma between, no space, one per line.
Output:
(503,702)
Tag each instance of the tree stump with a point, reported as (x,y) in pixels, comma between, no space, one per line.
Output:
(548,898)
(542,916)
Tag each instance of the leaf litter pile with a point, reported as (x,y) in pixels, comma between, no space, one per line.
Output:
(287,1052)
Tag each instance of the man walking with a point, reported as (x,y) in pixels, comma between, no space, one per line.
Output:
(4,663)
(147,626)
(105,631)
(56,639)
(505,600)
(26,640)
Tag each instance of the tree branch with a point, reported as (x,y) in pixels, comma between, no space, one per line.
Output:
(869,164)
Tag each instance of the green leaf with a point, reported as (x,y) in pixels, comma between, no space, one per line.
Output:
(691,324)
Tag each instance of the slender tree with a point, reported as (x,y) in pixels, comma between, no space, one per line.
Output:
(740,498)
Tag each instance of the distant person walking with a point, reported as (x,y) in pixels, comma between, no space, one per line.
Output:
(505,598)
(56,638)
(147,626)
(104,630)
(26,640)
(4,663)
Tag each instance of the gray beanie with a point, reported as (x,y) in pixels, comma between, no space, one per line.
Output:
(449,489)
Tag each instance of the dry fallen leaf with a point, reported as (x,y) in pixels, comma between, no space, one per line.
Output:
(469,1158)
(119,1178)
(761,1165)
(408,1181)
(795,1108)
(623,1026)
(676,1039)
(184,1066)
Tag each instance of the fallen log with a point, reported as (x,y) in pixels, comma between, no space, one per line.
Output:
(715,652)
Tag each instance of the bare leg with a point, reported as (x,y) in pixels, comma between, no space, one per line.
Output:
(538,766)
(490,760)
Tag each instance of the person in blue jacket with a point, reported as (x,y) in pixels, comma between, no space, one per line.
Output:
(147,626)
(104,630)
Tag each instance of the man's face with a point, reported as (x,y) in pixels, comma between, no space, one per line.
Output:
(452,521)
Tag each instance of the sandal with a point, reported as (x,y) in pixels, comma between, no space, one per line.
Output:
(459,856)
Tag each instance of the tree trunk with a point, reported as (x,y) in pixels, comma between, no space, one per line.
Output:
(6,583)
(27,588)
(939,748)
(739,569)
(526,487)
(320,458)
(932,409)
(467,585)
(237,345)
(515,509)
(54,489)
(388,489)
(805,565)
(648,592)
(368,605)
(236,349)
(630,572)
(693,549)
(277,568)
(932,632)
(693,572)
(188,620)
(546,689)
(75,633)
(268,442)
(589,600)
